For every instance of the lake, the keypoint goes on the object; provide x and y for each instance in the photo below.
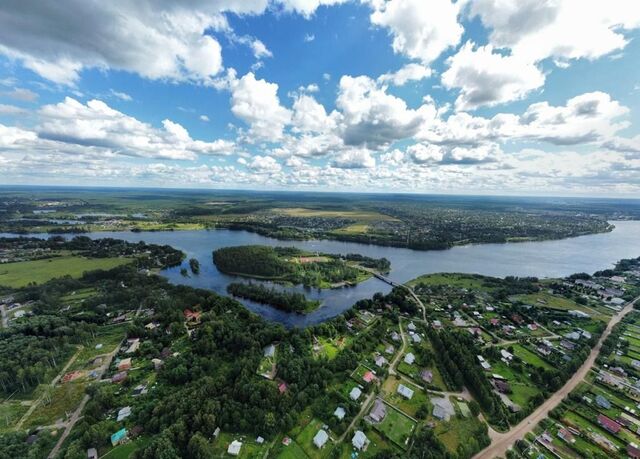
(542, 259)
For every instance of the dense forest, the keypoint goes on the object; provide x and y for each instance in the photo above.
(286, 301)
(147, 255)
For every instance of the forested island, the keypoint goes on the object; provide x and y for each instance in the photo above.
(295, 266)
(285, 301)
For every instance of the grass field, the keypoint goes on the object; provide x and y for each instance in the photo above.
(126, 451)
(376, 445)
(397, 427)
(408, 406)
(468, 281)
(10, 413)
(293, 451)
(456, 431)
(305, 440)
(356, 228)
(360, 215)
(545, 299)
(109, 336)
(22, 273)
(529, 357)
(64, 399)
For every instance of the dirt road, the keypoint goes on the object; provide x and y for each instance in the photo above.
(501, 442)
(76, 414)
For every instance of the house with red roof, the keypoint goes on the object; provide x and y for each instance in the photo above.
(368, 377)
(192, 316)
(609, 424)
(633, 451)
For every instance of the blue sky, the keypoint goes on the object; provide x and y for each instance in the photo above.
(473, 96)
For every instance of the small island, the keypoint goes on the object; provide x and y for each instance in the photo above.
(285, 301)
(294, 266)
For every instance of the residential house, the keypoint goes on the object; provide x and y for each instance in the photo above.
(355, 393)
(124, 364)
(603, 402)
(270, 350)
(119, 377)
(340, 413)
(134, 344)
(411, 326)
(567, 436)
(502, 386)
(609, 424)
(234, 448)
(380, 361)
(427, 376)
(124, 413)
(119, 437)
(379, 411)
(506, 355)
(192, 317)
(92, 453)
(140, 389)
(368, 377)
(578, 314)
(459, 322)
(405, 391)
(409, 358)
(321, 438)
(633, 451)
(442, 409)
(360, 440)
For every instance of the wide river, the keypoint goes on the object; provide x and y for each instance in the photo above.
(541, 259)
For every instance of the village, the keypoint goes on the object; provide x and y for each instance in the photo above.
(402, 387)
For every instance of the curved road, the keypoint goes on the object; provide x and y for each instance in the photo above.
(501, 442)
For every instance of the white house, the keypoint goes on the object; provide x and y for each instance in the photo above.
(360, 440)
(409, 358)
(321, 438)
(405, 391)
(124, 413)
(339, 413)
(355, 393)
(234, 448)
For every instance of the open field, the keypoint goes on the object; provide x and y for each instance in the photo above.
(11, 412)
(64, 399)
(38, 271)
(352, 214)
(126, 451)
(468, 281)
(530, 357)
(456, 431)
(109, 336)
(397, 427)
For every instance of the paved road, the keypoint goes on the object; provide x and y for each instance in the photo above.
(501, 442)
(76, 414)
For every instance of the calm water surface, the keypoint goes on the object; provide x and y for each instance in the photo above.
(542, 259)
